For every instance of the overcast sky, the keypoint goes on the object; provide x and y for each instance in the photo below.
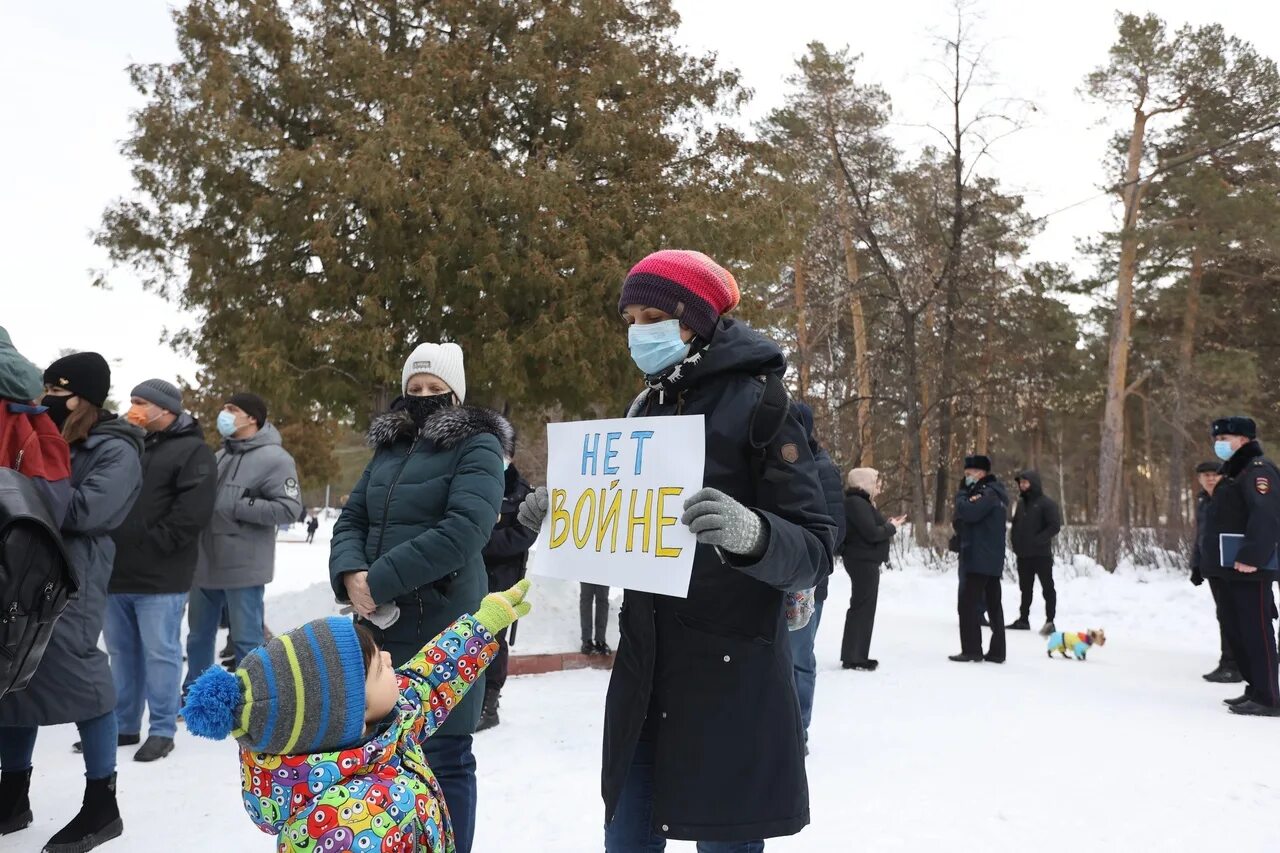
(65, 102)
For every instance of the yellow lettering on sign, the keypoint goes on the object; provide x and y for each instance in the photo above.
(665, 521)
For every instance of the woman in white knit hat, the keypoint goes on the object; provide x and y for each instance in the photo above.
(406, 552)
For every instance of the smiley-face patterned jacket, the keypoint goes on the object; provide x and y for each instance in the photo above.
(381, 796)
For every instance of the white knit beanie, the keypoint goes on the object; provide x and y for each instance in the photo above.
(443, 360)
(867, 479)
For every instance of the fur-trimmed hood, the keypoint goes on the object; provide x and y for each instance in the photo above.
(448, 428)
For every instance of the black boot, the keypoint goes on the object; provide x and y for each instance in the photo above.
(97, 823)
(965, 658)
(1224, 675)
(1022, 624)
(15, 805)
(602, 648)
(589, 648)
(489, 716)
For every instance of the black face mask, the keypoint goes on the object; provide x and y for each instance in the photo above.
(58, 411)
(422, 408)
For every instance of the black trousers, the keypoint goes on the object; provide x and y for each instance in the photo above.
(1229, 656)
(860, 620)
(1030, 568)
(500, 578)
(594, 596)
(1250, 611)
(977, 592)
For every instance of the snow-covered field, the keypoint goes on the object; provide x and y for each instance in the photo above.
(1130, 751)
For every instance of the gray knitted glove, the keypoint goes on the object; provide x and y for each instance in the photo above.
(717, 519)
(534, 509)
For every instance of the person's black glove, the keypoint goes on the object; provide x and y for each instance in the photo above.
(1196, 577)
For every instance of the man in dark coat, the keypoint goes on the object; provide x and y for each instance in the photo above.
(157, 548)
(1227, 671)
(703, 739)
(1036, 521)
(803, 659)
(505, 558)
(1244, 515)
(981, 507)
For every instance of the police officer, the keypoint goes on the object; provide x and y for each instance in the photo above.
(1228, 671)
(1247, 503)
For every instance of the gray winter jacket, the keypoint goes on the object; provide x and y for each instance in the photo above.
(257, 490)
(73, 682)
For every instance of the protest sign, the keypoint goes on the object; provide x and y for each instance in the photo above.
(617, 490)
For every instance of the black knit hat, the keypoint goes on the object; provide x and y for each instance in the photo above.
(982, 463)
(1235, 425)
(252, 405)
(85, 374)
(1208, 467)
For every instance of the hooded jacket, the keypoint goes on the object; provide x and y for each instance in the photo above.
(507, 551)
(707, 674)
(418, 520)
(74, 681)
(1036, 520)
(158, 545)
(257, 491)
(20, 380)
(980, 512)
(380, 795)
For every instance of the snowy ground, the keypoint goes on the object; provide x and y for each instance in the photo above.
(1129, 751)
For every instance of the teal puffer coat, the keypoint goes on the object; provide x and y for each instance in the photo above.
(418, 520)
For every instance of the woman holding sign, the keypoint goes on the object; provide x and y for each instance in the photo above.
(703, 738)
(407, 552)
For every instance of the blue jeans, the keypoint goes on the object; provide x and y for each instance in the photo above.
(18, 744)
(632, 827)
(805, 664)
(144, 639)
(245, 608)
(451, 759)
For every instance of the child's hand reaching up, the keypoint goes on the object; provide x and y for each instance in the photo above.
(500, 609)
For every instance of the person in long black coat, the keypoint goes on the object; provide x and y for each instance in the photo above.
(980, 510)
(1228, 669)
(1246, 504)
(866, 549)
(703, 738)
(504, 561)
(1036, 521)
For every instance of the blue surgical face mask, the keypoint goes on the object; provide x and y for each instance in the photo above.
(969, 479)
(506, 464)
(657, 346)
(226, 424)
(1222, 449)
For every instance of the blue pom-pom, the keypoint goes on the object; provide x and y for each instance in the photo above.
(211, 705)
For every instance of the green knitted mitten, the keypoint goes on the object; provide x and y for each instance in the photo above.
(500, 609)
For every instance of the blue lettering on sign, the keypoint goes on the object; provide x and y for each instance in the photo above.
(590, 450)
(640, 435)
(610, 453)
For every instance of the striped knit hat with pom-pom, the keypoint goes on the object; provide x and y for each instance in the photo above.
(302, 692)
(687, 285)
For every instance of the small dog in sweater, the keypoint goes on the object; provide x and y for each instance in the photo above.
(1077, 643)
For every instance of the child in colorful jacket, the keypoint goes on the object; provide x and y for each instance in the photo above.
(331, 736)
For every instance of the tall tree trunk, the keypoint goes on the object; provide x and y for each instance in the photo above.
(1178, 443)
(802, 329)
(988, 357)
(1111, 445)
(915, 428)
(865, 450)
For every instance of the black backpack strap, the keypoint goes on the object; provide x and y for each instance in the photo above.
(770, 412)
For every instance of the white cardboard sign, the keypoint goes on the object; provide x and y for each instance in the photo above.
(617, 490)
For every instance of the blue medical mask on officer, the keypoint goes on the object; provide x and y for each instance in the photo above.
(656, 346)
(227, 424)
(969, 479)
(1222, 449)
